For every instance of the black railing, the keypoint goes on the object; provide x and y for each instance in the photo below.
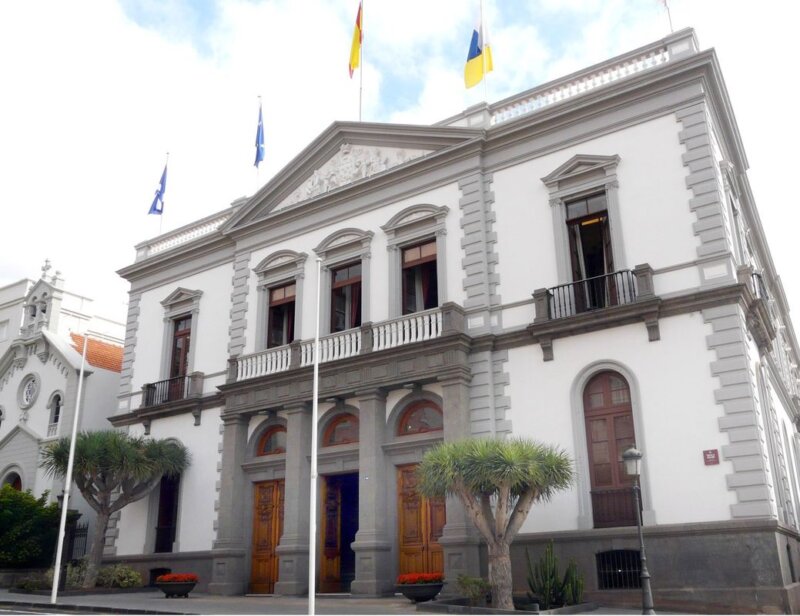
(168, 390)
(78, 536)
(574, 298)
(613, 508)
(619, 569)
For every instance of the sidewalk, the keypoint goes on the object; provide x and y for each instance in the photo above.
(146, 602)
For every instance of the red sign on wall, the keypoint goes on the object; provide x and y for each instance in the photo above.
(711, 456)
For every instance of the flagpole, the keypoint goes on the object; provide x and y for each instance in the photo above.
(669, 16)
(62, 527)
(312, 517)
(361, 60)
(161, 218)
(258, 169)
(483, 58)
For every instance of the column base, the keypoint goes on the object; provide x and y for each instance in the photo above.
(228, 573)
(373, 570)
(461, 557)
(292, 570)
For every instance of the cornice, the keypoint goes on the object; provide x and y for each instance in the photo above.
(168, 409)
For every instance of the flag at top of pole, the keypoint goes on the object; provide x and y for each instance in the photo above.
(355, 48)
(158, 201)
(259, 138)
(479, 57)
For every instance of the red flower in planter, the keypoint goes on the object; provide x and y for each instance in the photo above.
(420, 578)
(177, 577)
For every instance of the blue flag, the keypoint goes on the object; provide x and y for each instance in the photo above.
(259, 138)
(158, 200)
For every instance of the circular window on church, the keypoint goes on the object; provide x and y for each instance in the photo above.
(28, 391)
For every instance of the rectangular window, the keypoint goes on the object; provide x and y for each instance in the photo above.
(420, 285)
(591, 255)
(280, 325)
(346, 297)
(181, 338)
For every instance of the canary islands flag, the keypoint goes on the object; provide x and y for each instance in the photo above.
(479, 57)
(355, 47)
(259, 138)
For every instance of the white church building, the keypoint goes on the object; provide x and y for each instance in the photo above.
(42, 331)
(582, 264)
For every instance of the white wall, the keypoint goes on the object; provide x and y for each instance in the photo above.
(209, 332)
(196, 512)
(656, 221)
(674, 412)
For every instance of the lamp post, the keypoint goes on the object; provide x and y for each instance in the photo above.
(633, 459)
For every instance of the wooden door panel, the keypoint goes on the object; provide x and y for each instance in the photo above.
(330, 567)
(420, 524)
(267, 530)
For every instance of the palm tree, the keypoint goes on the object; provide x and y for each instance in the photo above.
(112, 469)
(498, 481)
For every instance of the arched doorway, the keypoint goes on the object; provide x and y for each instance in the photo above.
(609, 432)
(420, 521)
(13, 480)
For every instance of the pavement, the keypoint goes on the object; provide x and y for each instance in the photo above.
(147, 602)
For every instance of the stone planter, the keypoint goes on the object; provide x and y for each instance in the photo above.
(176, 589)
(420, 592)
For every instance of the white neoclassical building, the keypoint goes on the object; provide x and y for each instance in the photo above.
(582, 263)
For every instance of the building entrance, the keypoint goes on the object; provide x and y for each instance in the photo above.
(420, 522)
(339, 526)
(267, 531)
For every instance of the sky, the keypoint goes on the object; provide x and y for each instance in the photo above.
(95, 93)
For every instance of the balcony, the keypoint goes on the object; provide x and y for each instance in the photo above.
(52, 429)
(368, 338)
(172, 390)
(618, 298)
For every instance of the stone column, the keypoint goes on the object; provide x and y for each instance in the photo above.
(229, 573)
(372, 545)
(293, 548)
(459, 539)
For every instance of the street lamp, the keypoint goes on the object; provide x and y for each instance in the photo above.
(633, 460)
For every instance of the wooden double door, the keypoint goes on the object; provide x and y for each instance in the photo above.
(267, 531)
(420, 522)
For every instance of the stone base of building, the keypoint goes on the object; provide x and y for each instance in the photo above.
(732, 567)
(151, 565)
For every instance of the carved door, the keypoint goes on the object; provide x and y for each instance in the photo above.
(330, 565)
(420, 522)
(267, 531)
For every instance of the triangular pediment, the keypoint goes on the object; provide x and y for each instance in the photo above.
(40, 289)
(20, 433)
(344, 156)
(581, 165)
(181, 295)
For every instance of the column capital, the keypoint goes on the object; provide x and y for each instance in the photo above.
(300, 407)
(233, 420)
(373, 393)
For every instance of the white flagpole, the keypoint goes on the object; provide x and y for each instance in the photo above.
(68, 478)
(312, 517)
(361, 59)
(483, 57)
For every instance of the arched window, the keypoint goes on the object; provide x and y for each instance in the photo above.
(342, 429)
(609, 432)
(420, 417)
(13, 480)
(272, 441)
(55, 409)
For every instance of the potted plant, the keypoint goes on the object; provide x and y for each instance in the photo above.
(420, 587)
(176, 584)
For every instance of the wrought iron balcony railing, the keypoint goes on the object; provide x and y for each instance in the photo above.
(168, 390)
(567, 300)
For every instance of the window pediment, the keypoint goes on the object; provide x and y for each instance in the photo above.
(580, 169)
(181, 295)
(344, 240)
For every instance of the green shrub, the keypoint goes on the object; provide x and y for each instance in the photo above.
(28, 529)
(547, 587)
(119, 576)
(473, 588)
(33, 582)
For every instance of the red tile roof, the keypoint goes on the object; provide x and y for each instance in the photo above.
(99, 354)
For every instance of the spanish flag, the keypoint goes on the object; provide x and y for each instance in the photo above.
(479, 57)
(355, 49)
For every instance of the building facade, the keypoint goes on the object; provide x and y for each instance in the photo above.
(42, 332)
(582, 264)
